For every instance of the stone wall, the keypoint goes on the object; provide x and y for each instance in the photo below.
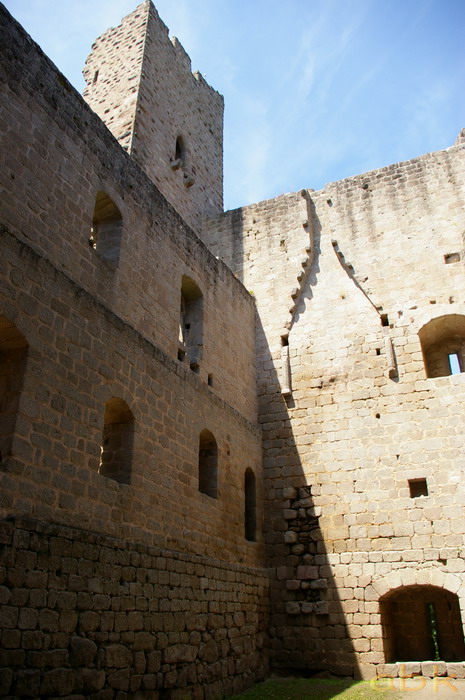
(83, 615)
(80, 355)
(356, 287)
(51, 179)
(342, 297)
(162, 587)
(139, 81)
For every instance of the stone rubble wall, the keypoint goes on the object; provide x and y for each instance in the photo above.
(80, 355)
(87, 616)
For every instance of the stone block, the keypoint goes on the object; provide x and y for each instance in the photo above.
(320, 583)
(209, 652)
(307, 572)
(119, 679)
(456, 670)
(6, 678)
(430, 669)
(290, 537)
(82, 651)
(117, 656)
(292, 608)
(293, 584)
(180, 653)
(321, 607)
(27, 683)
(60, 681)
(307, 608)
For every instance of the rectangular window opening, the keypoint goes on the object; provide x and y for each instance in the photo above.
(452, 258)
(454, 363)
(384, 320)
(418, 487)
(378, 351)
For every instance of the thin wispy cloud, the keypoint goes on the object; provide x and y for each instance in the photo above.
(313, 91)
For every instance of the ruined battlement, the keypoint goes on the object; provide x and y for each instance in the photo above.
(139, 81)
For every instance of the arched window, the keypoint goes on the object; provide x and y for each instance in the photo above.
(421, 623)
(208, 464)
(191, 322)
(180, 151)
(180, 161)
(107, 226)
(117, 441)
(250, 504)
(443, 344)
(13, 355)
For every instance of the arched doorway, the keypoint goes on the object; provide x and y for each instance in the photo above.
(421, 623)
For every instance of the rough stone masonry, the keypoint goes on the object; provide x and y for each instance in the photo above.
(229, 442)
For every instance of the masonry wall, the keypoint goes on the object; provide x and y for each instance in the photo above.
(89, 330)
(361, 419)
(139, 81)
(59, 153)
(80, 355)
(89, 616)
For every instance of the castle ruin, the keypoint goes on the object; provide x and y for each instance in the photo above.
(231, 442)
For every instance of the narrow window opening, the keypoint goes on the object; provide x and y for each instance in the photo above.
(181, 355)
(250, 515)
(179, 151)
(13, 357)
(384, 320)
(210, 380)
(95, 77)
(284, 340)
(378, 351)
(179, 160)
(418, 487)
(117, 441)
(433, 629)
(452, 258)
(454, 363)
(191, 322)
(107, 226)
(208, 464)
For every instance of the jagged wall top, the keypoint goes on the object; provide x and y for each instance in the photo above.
(139, 81)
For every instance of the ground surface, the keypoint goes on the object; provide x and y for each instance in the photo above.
(387, 689)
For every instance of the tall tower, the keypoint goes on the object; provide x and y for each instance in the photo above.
(139, 81)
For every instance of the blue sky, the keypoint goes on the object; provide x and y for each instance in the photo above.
(315, 90)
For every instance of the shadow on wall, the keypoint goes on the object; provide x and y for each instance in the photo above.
(308, 626)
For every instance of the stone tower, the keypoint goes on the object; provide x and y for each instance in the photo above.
(139, 81)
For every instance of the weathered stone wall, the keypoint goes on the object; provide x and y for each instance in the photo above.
(81, 613)
(57, 156)
(380, 257)
(139, 81)
(87, 616)
(80, 355)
